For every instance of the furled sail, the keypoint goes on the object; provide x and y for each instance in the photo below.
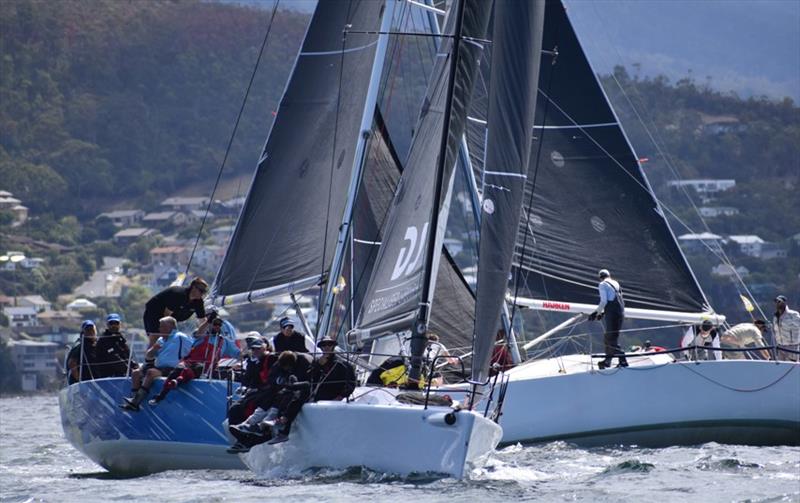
(587, 203)
(394, 293)
(287, 230)
(516, 51)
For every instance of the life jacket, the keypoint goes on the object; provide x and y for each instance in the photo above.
(203, 352)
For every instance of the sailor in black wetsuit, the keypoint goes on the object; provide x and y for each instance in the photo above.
(180, 302)
(288, 339)
(612, 310)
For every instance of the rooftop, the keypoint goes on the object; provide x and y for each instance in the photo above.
(702, 236)
(184, 201)
(120, 213)
(744, 239)
(133, 232)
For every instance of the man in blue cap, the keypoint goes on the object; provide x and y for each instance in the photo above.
(288, 339)
(82, 357)
(113, 353)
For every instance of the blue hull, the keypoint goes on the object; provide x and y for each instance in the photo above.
(185, 431)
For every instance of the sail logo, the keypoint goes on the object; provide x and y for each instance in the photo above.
(409, 257)
(556, 306)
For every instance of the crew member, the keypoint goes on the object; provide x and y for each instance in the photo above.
(612, 309)
(179, 302)
(786, 327)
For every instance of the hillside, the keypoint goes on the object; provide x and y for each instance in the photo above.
(105, 100)
(111, 104)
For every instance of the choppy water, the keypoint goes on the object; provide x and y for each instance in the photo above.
(37, 464)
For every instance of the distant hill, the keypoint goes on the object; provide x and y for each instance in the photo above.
(107, 100)
(751, 47)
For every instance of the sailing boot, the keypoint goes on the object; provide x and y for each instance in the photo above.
(132, 404)
(604, 364)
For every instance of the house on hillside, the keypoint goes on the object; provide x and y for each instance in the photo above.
(208, 257)
(727, 271)
(13, 205)
(700, 242)
(133, 234)
(123, 218)
(748, 244)
(24, 316)
(718, 211)
(175, 256)
(164, 218)
(222, 234)
(81, 305)
(771, 251)
(36, 363)
(185, 204)
(198, 215)
(704, 186)
(35, 301)
(720, 124)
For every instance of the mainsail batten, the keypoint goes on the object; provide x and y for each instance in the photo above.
(280, 238)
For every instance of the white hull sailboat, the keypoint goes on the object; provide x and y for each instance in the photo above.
(395, 438)
(588, 205)
(655, 402)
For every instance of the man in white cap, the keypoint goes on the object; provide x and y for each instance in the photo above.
(612, 310)
(786, 327)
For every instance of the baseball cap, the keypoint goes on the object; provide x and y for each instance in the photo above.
(113, 317)
(86, 324)
(285, 322)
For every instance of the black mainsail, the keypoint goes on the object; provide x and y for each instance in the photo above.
(287, 231)
(516, 52)
(587, 202)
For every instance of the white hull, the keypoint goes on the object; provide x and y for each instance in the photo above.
(655, 402)
(394, 439)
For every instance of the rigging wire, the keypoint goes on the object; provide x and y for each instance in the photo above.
(538, 157)
(233, 135)
(660, 146)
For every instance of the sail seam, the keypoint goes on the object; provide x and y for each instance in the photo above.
(339, 51)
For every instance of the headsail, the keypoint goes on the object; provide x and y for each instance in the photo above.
(516, 52)
(394, 294)
(588, 205)
(287, 230)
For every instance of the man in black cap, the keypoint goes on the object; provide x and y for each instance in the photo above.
(288, 339)
(786, 327)
(332, 377)
(180, 302)
(612, 308)
(113, 353)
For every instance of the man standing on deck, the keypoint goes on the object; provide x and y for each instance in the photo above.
(178, 302)
(786, 327)
(612, 308)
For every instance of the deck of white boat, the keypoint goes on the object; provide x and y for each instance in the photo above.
(573, 364)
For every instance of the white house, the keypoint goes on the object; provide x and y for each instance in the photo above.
(704, 185)
(727, 271)
(749, 244)
(124, 218)
(697, 242)
(716, 211)
(80, 305)
(24, 316)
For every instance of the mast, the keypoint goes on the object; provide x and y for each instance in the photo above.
(420, 326)
(358, 169)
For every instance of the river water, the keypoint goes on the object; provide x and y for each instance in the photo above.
(37, 464)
